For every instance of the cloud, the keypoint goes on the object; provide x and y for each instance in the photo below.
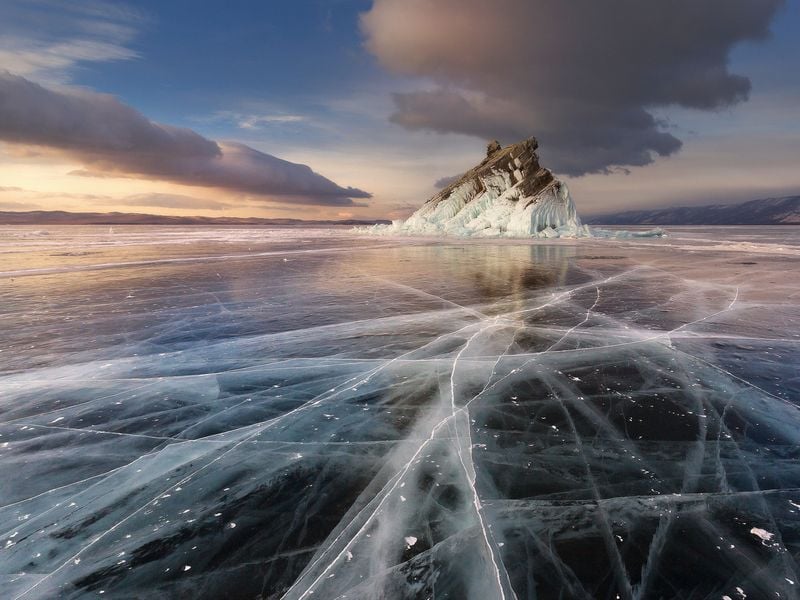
(12, 205)
(46, 40)
(443, 182)
(148, 199)
(109, 137)
(402, 212)
(170, 201)
(18, 191)
(583, 76)
(259, 121)
(94, 174)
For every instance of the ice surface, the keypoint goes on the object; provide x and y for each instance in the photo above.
(243, 413)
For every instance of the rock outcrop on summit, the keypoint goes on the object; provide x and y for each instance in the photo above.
(509, 194)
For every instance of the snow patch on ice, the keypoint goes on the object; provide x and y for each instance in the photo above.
(765, 535)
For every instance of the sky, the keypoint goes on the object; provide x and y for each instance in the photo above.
(332, 109)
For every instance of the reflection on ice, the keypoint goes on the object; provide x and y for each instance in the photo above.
(367, 419)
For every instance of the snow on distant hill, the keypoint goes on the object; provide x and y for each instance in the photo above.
(767, 211)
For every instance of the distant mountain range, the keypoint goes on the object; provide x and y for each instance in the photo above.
(768, 211)
(60, 217)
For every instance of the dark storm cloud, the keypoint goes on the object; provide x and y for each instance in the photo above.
(580, 75)
(110, 137)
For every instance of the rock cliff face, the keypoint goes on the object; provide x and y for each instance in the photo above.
(508, 194)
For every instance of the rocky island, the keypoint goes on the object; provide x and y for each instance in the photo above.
(509, 194)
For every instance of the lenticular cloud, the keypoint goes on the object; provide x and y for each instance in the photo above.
(110, 137)
(581, 75)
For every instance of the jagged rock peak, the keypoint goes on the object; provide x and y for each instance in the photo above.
(519, 162)
(492, 147)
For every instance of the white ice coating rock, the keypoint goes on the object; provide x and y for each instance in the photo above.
(499, 211)
(508, 195)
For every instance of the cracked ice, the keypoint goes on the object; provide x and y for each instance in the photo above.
(300, 414)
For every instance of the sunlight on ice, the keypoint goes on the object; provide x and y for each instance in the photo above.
(384, 417)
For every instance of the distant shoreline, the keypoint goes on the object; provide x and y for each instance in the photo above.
(59, 217)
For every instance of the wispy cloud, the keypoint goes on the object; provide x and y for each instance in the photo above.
(26, 199)
(18, 206)
(252, 121)
(53, 61)
(157, 200)
(45, 40)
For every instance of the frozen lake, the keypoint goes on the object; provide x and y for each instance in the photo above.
(300, 413)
